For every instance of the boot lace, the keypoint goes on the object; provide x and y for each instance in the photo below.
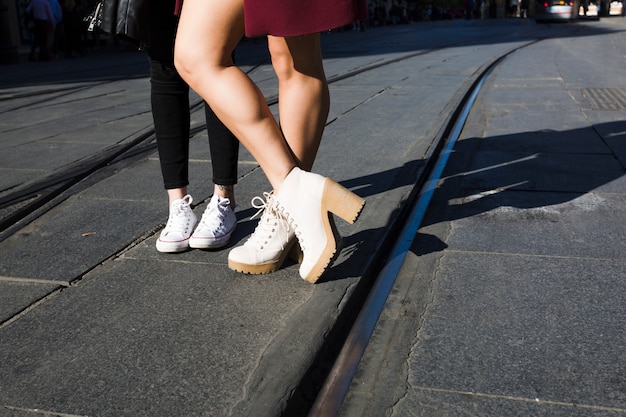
(268, 223)
(284, 214)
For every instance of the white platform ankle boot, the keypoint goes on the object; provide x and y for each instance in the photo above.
(272, 241)
(306, 200)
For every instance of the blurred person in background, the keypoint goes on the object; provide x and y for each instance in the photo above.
(44, 24)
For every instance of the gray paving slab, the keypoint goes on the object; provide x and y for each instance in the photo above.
(65, 244)
(585, 140)
(582, 226)
(513, 338)
(52, 152)
(18, 295)
(576, 172)
(614, 135)
(165, 325)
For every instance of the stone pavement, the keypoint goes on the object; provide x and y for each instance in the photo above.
(95, 322)
(511, 301)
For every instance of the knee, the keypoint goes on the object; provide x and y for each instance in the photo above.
(181, 63)
(296, 57)
(282, 62)
(185, 62)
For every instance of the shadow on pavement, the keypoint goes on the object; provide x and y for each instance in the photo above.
(529, 170)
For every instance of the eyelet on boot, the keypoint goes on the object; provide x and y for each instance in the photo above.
(272, 240)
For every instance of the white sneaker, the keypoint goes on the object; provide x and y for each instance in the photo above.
(217, 224)
(180, 224)
(266, 249)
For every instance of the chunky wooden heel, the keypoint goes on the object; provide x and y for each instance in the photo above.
(340, 201)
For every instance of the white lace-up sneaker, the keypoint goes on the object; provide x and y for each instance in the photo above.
(266, 249)
(180, 225)
(217, 224)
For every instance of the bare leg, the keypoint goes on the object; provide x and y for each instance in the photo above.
(208, 32)
(303, 97)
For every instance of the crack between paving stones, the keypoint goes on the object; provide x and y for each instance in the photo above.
(538, 401)
(45, 413)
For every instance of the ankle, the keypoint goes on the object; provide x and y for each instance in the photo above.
(226, 191)
(174, 194)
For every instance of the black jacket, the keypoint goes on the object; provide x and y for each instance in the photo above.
(127, 19)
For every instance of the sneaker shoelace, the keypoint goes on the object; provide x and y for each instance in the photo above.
(179, 215)
(268, 223)
(213, 218)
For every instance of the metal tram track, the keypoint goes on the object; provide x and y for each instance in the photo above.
(387, 262)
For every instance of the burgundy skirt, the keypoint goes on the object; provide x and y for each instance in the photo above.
(300, 17)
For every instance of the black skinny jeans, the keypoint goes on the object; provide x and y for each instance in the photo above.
(170, 111)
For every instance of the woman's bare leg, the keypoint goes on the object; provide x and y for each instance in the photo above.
(303, 97)
(208, 32)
